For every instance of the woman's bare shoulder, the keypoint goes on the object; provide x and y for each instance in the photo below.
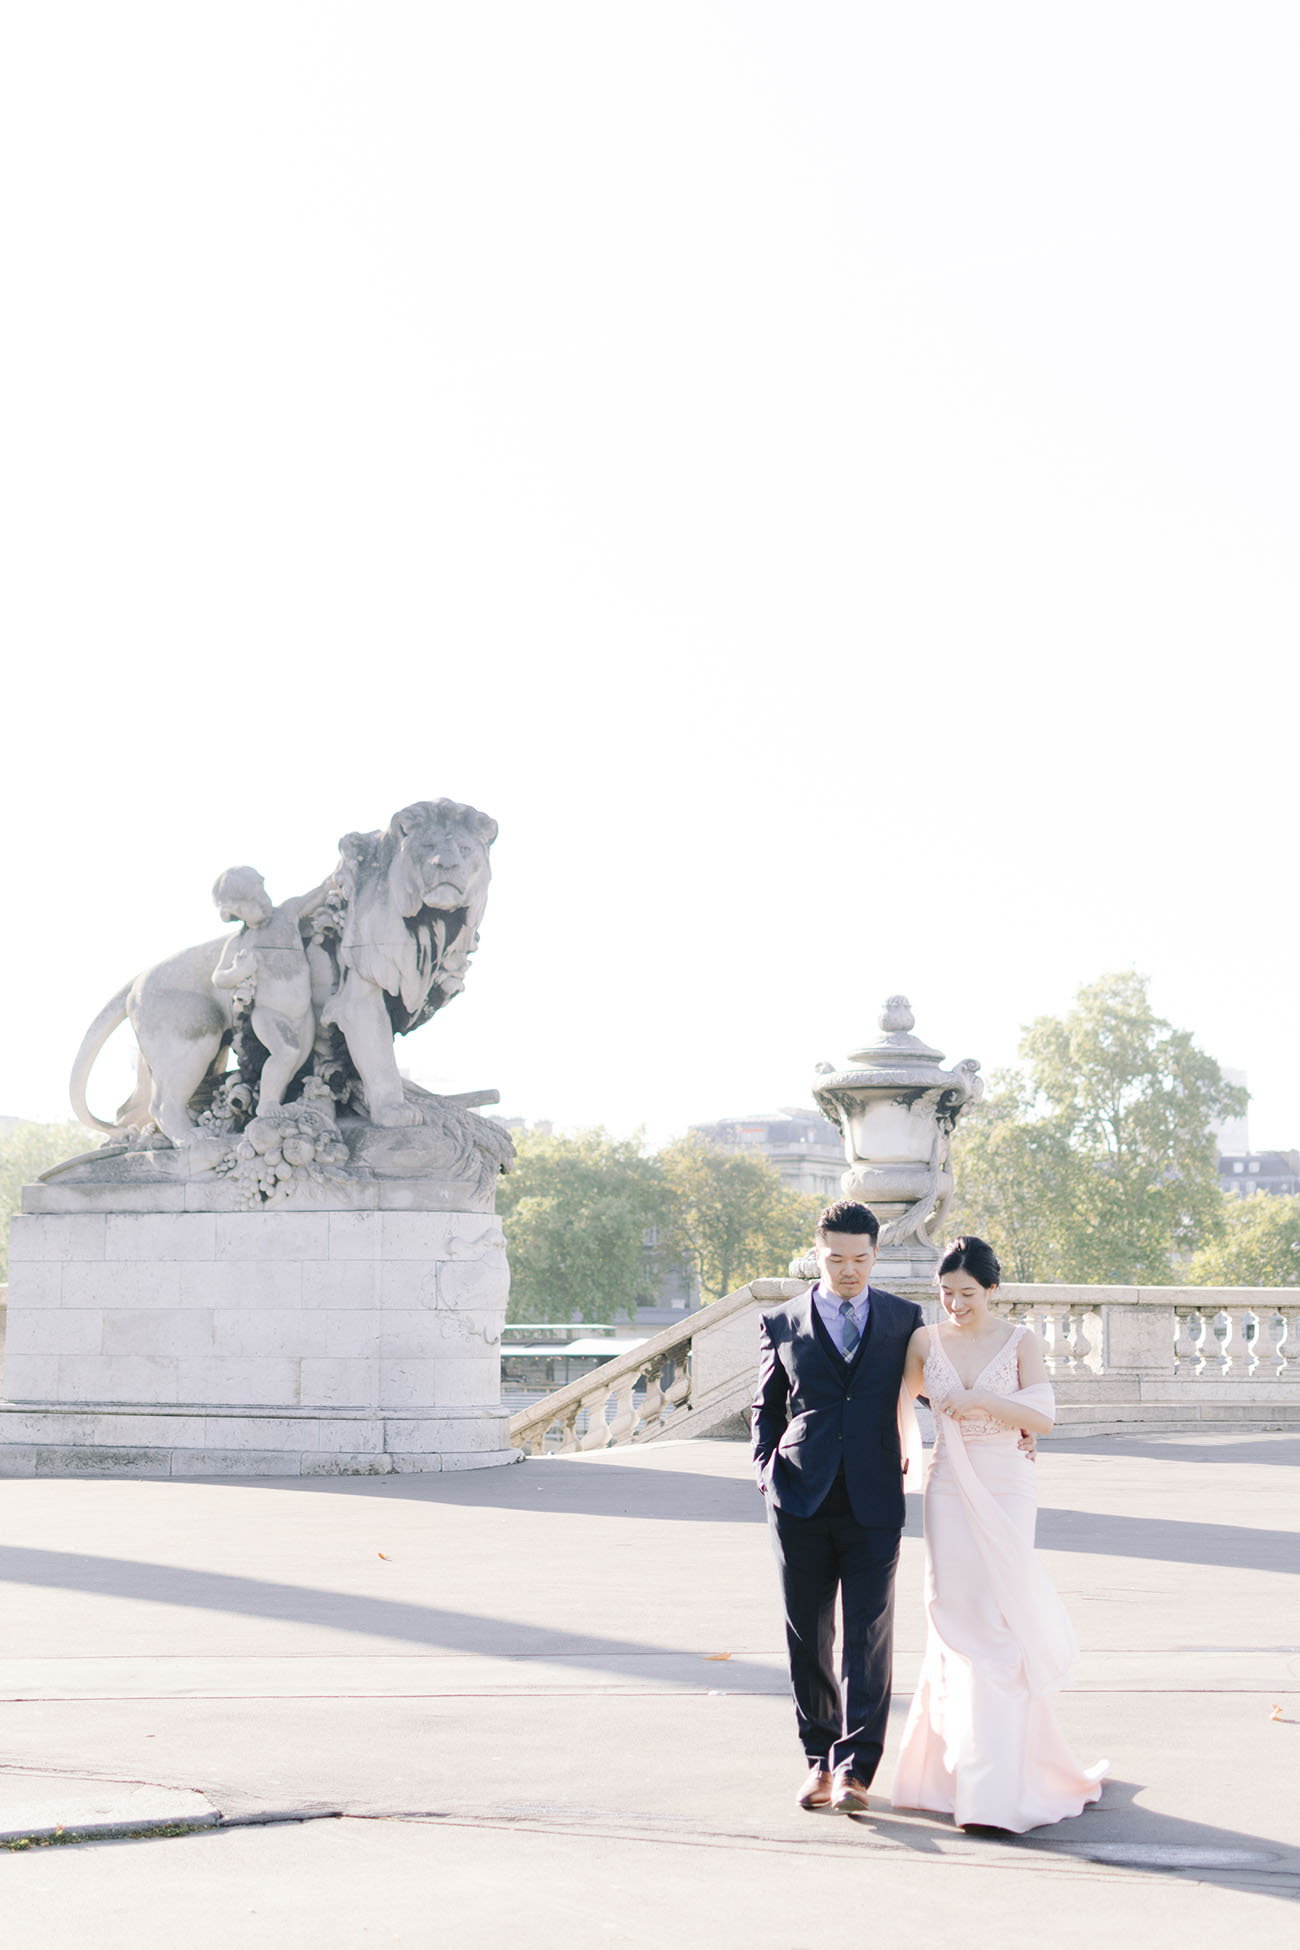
(1032, 1352)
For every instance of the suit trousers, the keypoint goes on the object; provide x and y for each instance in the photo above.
(817, 1557)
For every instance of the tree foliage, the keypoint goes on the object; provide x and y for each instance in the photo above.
(1017, 1175)
(1096, 1162)
(1258, 1246)
(25, 1152)
(591, 1221)
(730, 1215)
(577, 1211)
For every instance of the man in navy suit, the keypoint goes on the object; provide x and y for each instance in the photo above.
(828, 1460)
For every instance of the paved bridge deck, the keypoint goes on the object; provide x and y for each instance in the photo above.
(547, 1705)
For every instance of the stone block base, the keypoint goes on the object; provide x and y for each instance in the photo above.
(139, 1439)
(329, 1341)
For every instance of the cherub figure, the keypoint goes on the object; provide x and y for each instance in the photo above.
(265, 965)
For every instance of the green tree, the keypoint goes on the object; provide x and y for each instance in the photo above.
(25, 1152)
(731, 1216)
(1017, 1181)
(1116, 1110)
(1259, 1244)
(577, 1212)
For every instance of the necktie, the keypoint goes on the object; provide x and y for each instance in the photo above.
(850, 1327)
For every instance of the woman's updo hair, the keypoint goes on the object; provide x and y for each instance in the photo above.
(973, 1256)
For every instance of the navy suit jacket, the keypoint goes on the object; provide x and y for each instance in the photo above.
(814, 1412)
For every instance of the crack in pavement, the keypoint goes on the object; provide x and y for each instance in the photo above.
(859, 1834)
(1266, 1871)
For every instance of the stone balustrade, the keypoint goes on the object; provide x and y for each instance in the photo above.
(1120, 1358)
(683, 1381)
(1166, 1356)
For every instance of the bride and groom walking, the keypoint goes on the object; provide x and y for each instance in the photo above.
(834, 1433)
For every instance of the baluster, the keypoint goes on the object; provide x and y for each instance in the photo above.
(1288, 1344)
(1059, 1320)
(1217, 1344)
(677, 1393)
(652, 1402)
(1246, 1347)
(1270, 1345)
(1234, 1349)
(597, 1436)
(1051, 1330)
(623, 1419)
(569, 1430)
(1193, 1332)
(1080, 1345)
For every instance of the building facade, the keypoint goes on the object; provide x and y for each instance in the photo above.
(802, 1145)
(1247, 1172)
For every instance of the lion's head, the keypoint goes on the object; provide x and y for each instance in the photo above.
(440, 856)
(415, 895)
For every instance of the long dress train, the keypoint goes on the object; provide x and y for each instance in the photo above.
(982, 1741)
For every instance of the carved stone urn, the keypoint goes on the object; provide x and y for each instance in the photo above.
(896, 1106)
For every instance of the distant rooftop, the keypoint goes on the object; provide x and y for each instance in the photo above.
(1277, 1172)
(788, 1125)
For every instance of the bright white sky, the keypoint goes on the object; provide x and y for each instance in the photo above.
(823, 475)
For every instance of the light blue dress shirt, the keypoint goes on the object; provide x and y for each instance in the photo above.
(828, 1305)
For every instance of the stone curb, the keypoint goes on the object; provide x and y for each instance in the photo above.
(16, 1839)
(104, 1831)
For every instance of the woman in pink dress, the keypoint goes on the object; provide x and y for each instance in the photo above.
(982, 1742)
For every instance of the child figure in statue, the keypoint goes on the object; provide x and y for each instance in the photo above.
(266, 964)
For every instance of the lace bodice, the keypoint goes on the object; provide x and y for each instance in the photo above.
(1000, 1376)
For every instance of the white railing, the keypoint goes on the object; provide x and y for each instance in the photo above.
(1118, 1356)
(1162, 1334)
(686, 1374)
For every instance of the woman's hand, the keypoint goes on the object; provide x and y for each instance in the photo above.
(963, 1402)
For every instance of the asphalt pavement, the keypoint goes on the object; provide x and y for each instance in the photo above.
(548, 1703)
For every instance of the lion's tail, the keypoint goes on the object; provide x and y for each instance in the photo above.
(92, 1043)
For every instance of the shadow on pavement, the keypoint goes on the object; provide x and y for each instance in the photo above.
(584, 1489)
(590, 1489)
(1223, 1545)
(1154, 1843)
(342, 1611)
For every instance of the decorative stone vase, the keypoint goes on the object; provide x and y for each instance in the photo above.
(895, 1106)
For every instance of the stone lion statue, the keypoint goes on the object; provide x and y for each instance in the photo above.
(371, 953)
(414, 896)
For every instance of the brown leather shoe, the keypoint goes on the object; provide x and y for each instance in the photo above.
(816, 1790)
(848, 1793)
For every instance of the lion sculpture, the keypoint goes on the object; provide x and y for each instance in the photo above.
(386, 942)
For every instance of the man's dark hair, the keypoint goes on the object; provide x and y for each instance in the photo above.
(848, 1215)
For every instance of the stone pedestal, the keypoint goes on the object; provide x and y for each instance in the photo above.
(291, 1342)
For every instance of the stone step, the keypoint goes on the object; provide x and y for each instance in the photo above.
(1178, 1417)
(1193, 1414)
